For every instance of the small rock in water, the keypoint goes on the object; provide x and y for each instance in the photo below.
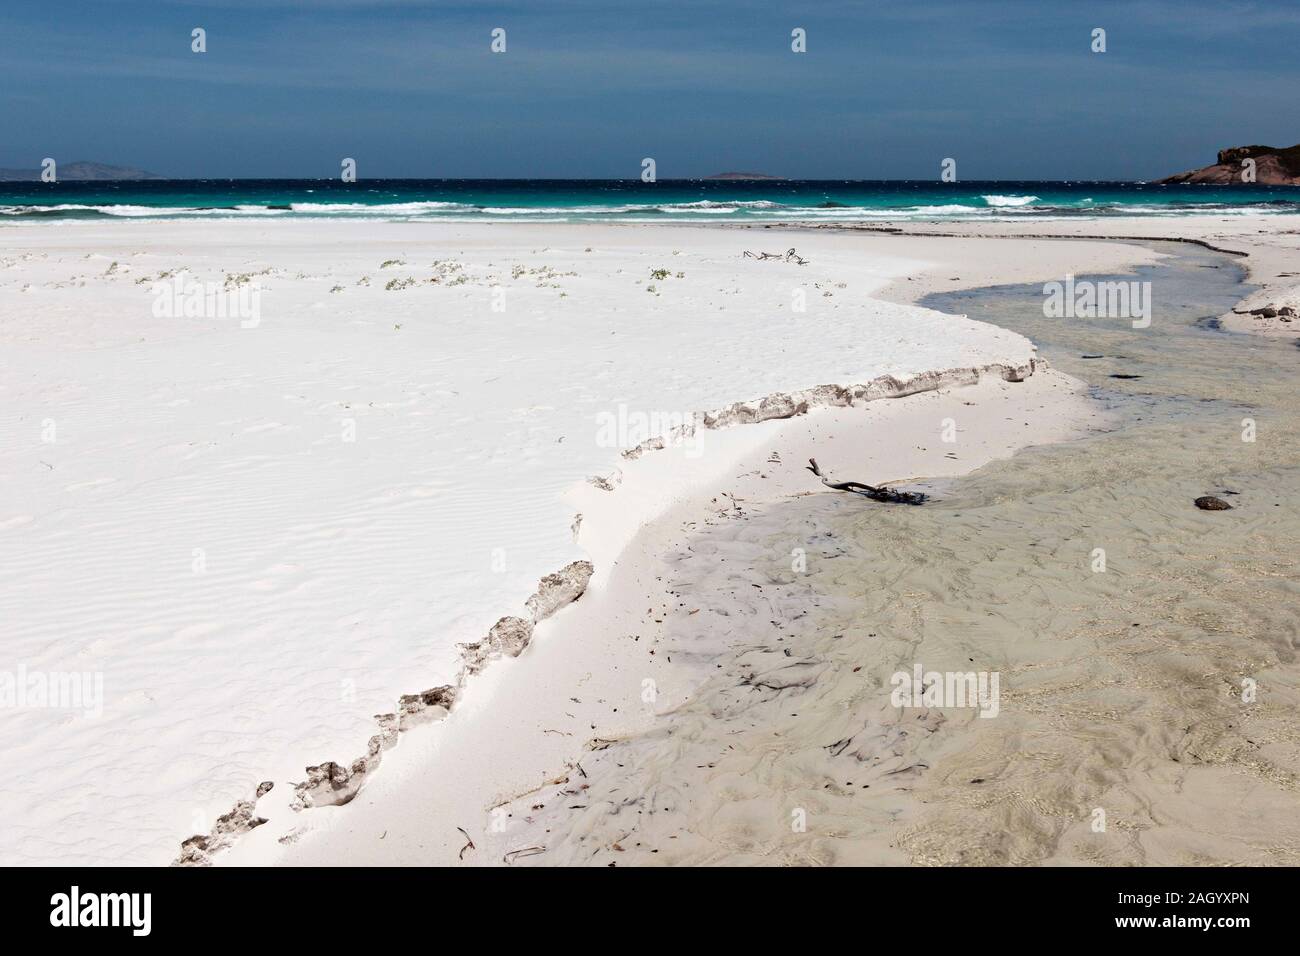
(1211, 503)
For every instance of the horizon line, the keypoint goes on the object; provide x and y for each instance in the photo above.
(587, 179)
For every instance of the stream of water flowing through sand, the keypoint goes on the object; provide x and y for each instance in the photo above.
(1148, 710)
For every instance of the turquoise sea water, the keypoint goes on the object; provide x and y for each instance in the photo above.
(628, 200)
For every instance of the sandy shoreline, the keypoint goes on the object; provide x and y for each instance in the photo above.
(1128, 736)
(522, 814)
(606, 669)
(1269, 248)
(586, 674)
(387, 810)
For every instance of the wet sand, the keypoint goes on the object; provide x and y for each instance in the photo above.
(1122, 737)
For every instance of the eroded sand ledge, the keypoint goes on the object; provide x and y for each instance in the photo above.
(587, 669)
(334, 784)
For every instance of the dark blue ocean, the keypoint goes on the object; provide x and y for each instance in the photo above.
(465, 200)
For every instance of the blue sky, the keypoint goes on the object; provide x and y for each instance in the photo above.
(586, 89)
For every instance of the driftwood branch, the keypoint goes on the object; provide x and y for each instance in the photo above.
(869, 491)
(789, 256)
(469, 843)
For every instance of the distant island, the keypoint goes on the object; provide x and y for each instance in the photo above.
(1273, 167)
(79, 171)
(743, 176)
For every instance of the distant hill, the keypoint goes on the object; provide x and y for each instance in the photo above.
(80, 171)
(1273, 167)
(743, 176)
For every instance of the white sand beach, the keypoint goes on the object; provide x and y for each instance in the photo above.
(262, 533)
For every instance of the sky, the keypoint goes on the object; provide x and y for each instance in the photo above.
(588, 88)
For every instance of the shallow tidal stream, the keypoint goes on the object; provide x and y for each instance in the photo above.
(1148, 707)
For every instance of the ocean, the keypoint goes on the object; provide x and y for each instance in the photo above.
(679, 201)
